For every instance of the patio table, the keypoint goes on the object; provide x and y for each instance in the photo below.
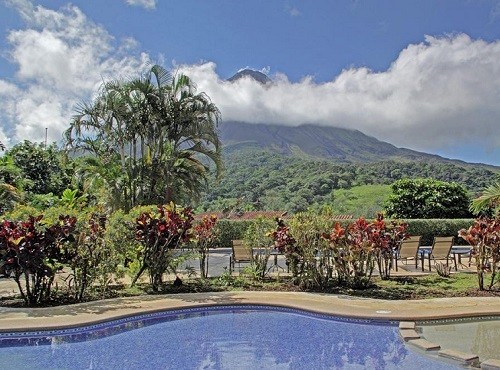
(275, 267)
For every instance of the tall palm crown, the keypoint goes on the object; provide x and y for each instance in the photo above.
(161, 132)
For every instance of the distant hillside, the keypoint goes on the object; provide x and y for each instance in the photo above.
(272, 167)
(331, 143)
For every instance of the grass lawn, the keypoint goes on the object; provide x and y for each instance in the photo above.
(363, 200)
(408, 287)
(400, 287)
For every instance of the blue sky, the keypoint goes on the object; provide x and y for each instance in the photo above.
(419, 74)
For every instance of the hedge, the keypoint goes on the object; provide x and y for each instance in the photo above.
(428, 228)
(228, 230)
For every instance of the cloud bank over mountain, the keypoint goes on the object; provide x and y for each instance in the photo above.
(438, 94)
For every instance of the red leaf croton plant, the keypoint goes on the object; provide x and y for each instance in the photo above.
(160, 233)
(484, 237)
(355, 249)
(362, 244)
(204, 237)
(32, 253)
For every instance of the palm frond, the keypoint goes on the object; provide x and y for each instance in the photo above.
(489, 199)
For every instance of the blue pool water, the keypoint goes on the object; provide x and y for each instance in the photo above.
(233, 337)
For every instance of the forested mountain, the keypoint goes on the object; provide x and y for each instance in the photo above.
(333, 143)
(271, 167)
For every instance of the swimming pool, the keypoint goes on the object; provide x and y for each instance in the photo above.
(220, 337)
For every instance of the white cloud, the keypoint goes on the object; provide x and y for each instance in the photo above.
(148, 4)
(437, 94)
(62, 57)
(495, 11)
(292, 11)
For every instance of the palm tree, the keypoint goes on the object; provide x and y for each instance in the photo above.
(490, 199)
(160, 131)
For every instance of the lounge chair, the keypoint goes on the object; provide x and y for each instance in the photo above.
(240, 254)
(441, 250)
(408, 250)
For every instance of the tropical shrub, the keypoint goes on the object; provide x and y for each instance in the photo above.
(484, 237)
(204, 238)
(357, 248)
(92, 259)
(228, 230)
(32, 254)
(45, 169)
(257, 237)
(315, 268)
(120, 234)
(315, 249)
(427, 198)
(286, 244)
(160, 233)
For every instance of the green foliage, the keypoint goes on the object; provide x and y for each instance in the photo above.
(44, 169)
(10, 173)
(226, 279)
(9, 197)
(257, 237)
(361, 201)
(70, 199)
(312, 252)
(256, 179)
(204, 234)
(92, 259)
(228, 230)
(43, 201)
(428, 198)
(429, 228)
(11, 184)
(120, 235)
(488, 202)
(20, 212)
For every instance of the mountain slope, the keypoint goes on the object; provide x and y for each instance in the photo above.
(332, 143)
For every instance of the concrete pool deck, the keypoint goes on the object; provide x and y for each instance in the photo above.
(25, 319)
